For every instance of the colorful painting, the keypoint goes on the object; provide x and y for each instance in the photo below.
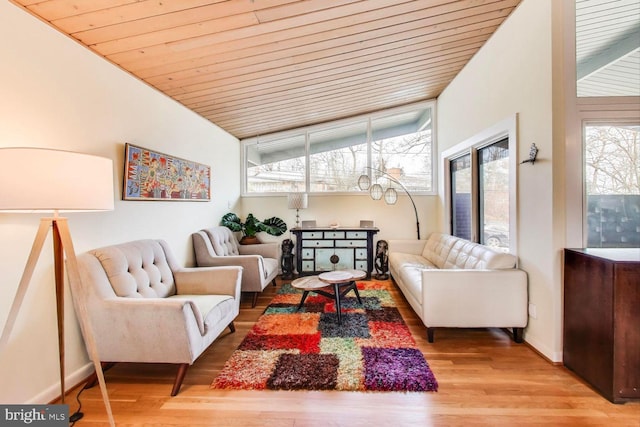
(149, 175)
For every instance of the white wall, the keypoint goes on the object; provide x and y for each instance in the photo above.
(55, 93)
(512, 74)
(394, 221)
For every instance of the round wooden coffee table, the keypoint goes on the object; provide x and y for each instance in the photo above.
(342, 282)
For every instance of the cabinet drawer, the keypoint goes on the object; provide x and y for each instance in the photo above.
(307, 253)
(312, 234)
(361, 254)
(356, 234)
(307, 266)
(334, 234)
(317, 243)
(351, 243)
(361, 265)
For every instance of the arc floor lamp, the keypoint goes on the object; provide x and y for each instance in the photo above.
(36, 180)
(390, 195)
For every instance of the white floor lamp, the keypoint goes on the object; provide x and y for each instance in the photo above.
(42, 180)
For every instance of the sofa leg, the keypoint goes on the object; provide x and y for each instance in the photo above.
(430, 332)
(93, 378)
(517, 335)
(273, 282)
(255, 299)
(232, 327)
(182, 371)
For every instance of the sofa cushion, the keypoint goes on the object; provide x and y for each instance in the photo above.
(449, 252)
(222, 241)
(437, 248)
(212, 308)
(469, 255)
(271, 265)
(399, 260)
(137, 269)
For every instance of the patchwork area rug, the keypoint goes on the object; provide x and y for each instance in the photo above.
(308, 350)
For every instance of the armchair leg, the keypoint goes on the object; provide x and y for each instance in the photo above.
(93, 378)
(517, 335)
(273, 282)
(182, 371)
(255, 299)
(232, 327)
(430, 333)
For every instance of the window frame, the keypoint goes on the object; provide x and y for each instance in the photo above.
(506, 128)
(307, 130)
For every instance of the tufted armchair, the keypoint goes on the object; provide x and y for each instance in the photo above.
(143, 307)
(218, 246)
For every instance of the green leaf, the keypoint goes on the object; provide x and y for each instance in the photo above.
(232, 222)
(274, 226)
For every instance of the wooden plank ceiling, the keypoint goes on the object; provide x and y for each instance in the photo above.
(258, 66)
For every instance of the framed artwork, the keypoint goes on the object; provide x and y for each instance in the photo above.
(149, 175)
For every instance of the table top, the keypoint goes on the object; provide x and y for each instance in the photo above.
(340, 276)
(309, 282)
(327, 278)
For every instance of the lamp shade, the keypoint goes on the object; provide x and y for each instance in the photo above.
(390, 196)
(297, 200)
(376, 191)
(38, 179)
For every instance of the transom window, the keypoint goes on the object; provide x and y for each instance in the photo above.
(329, 158)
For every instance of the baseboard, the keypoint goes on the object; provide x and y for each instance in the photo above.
(52, 393)
(552, 357)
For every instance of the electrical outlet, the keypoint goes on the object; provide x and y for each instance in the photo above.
(532, 311)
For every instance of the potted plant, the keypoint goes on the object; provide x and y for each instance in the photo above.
(252, 225)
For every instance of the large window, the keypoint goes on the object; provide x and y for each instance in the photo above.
(329, 158)
(612, 185)
(480, 187)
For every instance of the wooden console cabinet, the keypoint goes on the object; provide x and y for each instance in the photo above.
(315, 246)
(602, 319)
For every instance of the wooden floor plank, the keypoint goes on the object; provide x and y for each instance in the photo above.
(484, 379)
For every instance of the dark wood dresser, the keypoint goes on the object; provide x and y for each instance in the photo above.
(602, 319)
(315, 246)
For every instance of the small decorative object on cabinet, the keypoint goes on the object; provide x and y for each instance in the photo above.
(601, 319)
(315, 248)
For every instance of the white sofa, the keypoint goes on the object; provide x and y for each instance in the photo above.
(451, 282)
(144, 307)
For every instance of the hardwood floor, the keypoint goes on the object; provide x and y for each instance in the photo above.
(484, 379)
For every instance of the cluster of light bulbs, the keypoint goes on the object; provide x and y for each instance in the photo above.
(376, 191)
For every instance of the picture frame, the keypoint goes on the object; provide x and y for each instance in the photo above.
(152, 175)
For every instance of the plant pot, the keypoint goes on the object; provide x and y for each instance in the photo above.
(249, 240)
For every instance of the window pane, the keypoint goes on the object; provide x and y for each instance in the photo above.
(276, 166)
(607, 48)
(402, 147)
(461, 196)
(612, 180)
(337, 157)
(493, 170)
